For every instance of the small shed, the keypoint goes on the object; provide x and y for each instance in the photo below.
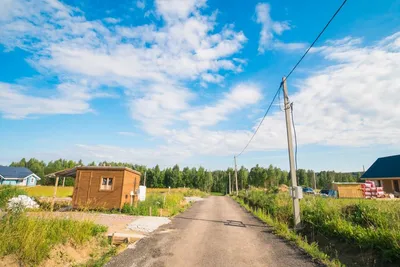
(348, 190)
(105, 187)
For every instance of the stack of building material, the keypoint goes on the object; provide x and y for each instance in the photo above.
(371, 191)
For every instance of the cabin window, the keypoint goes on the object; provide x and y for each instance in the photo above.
(379, 183)
(106, 183)
(31, 180)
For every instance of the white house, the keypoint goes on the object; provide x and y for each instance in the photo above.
(17, 176)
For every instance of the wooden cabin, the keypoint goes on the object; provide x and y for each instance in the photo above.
(105, 187)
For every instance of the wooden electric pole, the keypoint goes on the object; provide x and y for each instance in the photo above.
(315, 182)
(296, 204)
(230, 187)
(144, 180)
(237, 188)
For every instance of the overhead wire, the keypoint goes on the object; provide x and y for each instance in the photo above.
(259, 125)
(287, 76)
(316, 39)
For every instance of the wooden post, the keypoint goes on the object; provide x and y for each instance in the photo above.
(54, 195)
(63, 181)
(150, 210)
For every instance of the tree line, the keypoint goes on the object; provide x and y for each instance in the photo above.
(216, 181)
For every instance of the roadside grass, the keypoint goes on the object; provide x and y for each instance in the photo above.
(48, 191)
(31, 239)
(217, 194)
(366, 224)
(9, 191)
(158, 204)
(161, 203)
(282, 230)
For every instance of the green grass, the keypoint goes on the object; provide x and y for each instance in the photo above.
(31, 239)
(217, 194)
(48, 191)
(281, 229)
(7, 192)
(367, 224)
(162, 202)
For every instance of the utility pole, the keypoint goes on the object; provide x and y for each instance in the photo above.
(144, 181)
(237, 189)
(315, 182)
(296, 204)
(230, 187)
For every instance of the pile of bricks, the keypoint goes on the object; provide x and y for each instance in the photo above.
(371, 191)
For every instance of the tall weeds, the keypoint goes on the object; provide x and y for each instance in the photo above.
(31, 239)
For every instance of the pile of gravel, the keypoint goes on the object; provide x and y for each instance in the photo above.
(148, 224)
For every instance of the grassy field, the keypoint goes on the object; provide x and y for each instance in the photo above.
(31, 240)
(48, 191)
(366, 224)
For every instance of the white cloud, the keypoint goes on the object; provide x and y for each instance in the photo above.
(270, 28)
(15, 103)
(178, 9)
(351, 102)
(187, 48)
(141, 4)
(239, 97)
(112, 20)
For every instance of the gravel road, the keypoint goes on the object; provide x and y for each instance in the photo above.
(213, 232)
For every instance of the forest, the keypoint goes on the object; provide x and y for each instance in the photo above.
(201, 178)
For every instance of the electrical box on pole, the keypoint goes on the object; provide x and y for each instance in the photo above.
(295, 193)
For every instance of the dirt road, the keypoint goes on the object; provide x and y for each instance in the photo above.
(213, 232)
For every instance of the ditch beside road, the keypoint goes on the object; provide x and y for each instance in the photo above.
(213, 232)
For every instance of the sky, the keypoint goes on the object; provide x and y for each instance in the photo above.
(187, 81)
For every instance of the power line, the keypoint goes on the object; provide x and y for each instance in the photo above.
(287, 76)
(259, 125)
(316, 39)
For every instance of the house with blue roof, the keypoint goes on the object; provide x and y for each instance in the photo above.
(385, 172)
(20, 176)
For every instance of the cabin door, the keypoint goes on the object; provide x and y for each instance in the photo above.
(83, 187)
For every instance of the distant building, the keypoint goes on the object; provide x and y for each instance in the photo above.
(386, 173)
(20, 176)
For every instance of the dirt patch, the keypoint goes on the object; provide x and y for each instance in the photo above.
(9, 261)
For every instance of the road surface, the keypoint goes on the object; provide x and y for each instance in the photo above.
(213, 232)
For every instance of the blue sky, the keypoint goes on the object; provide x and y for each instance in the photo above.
(187, 81)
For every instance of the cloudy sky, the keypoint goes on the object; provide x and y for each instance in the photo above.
(187, 81)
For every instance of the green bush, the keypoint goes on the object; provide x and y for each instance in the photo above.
(32, 238)
(7, 192)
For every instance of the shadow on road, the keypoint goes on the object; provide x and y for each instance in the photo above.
(226, 222)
